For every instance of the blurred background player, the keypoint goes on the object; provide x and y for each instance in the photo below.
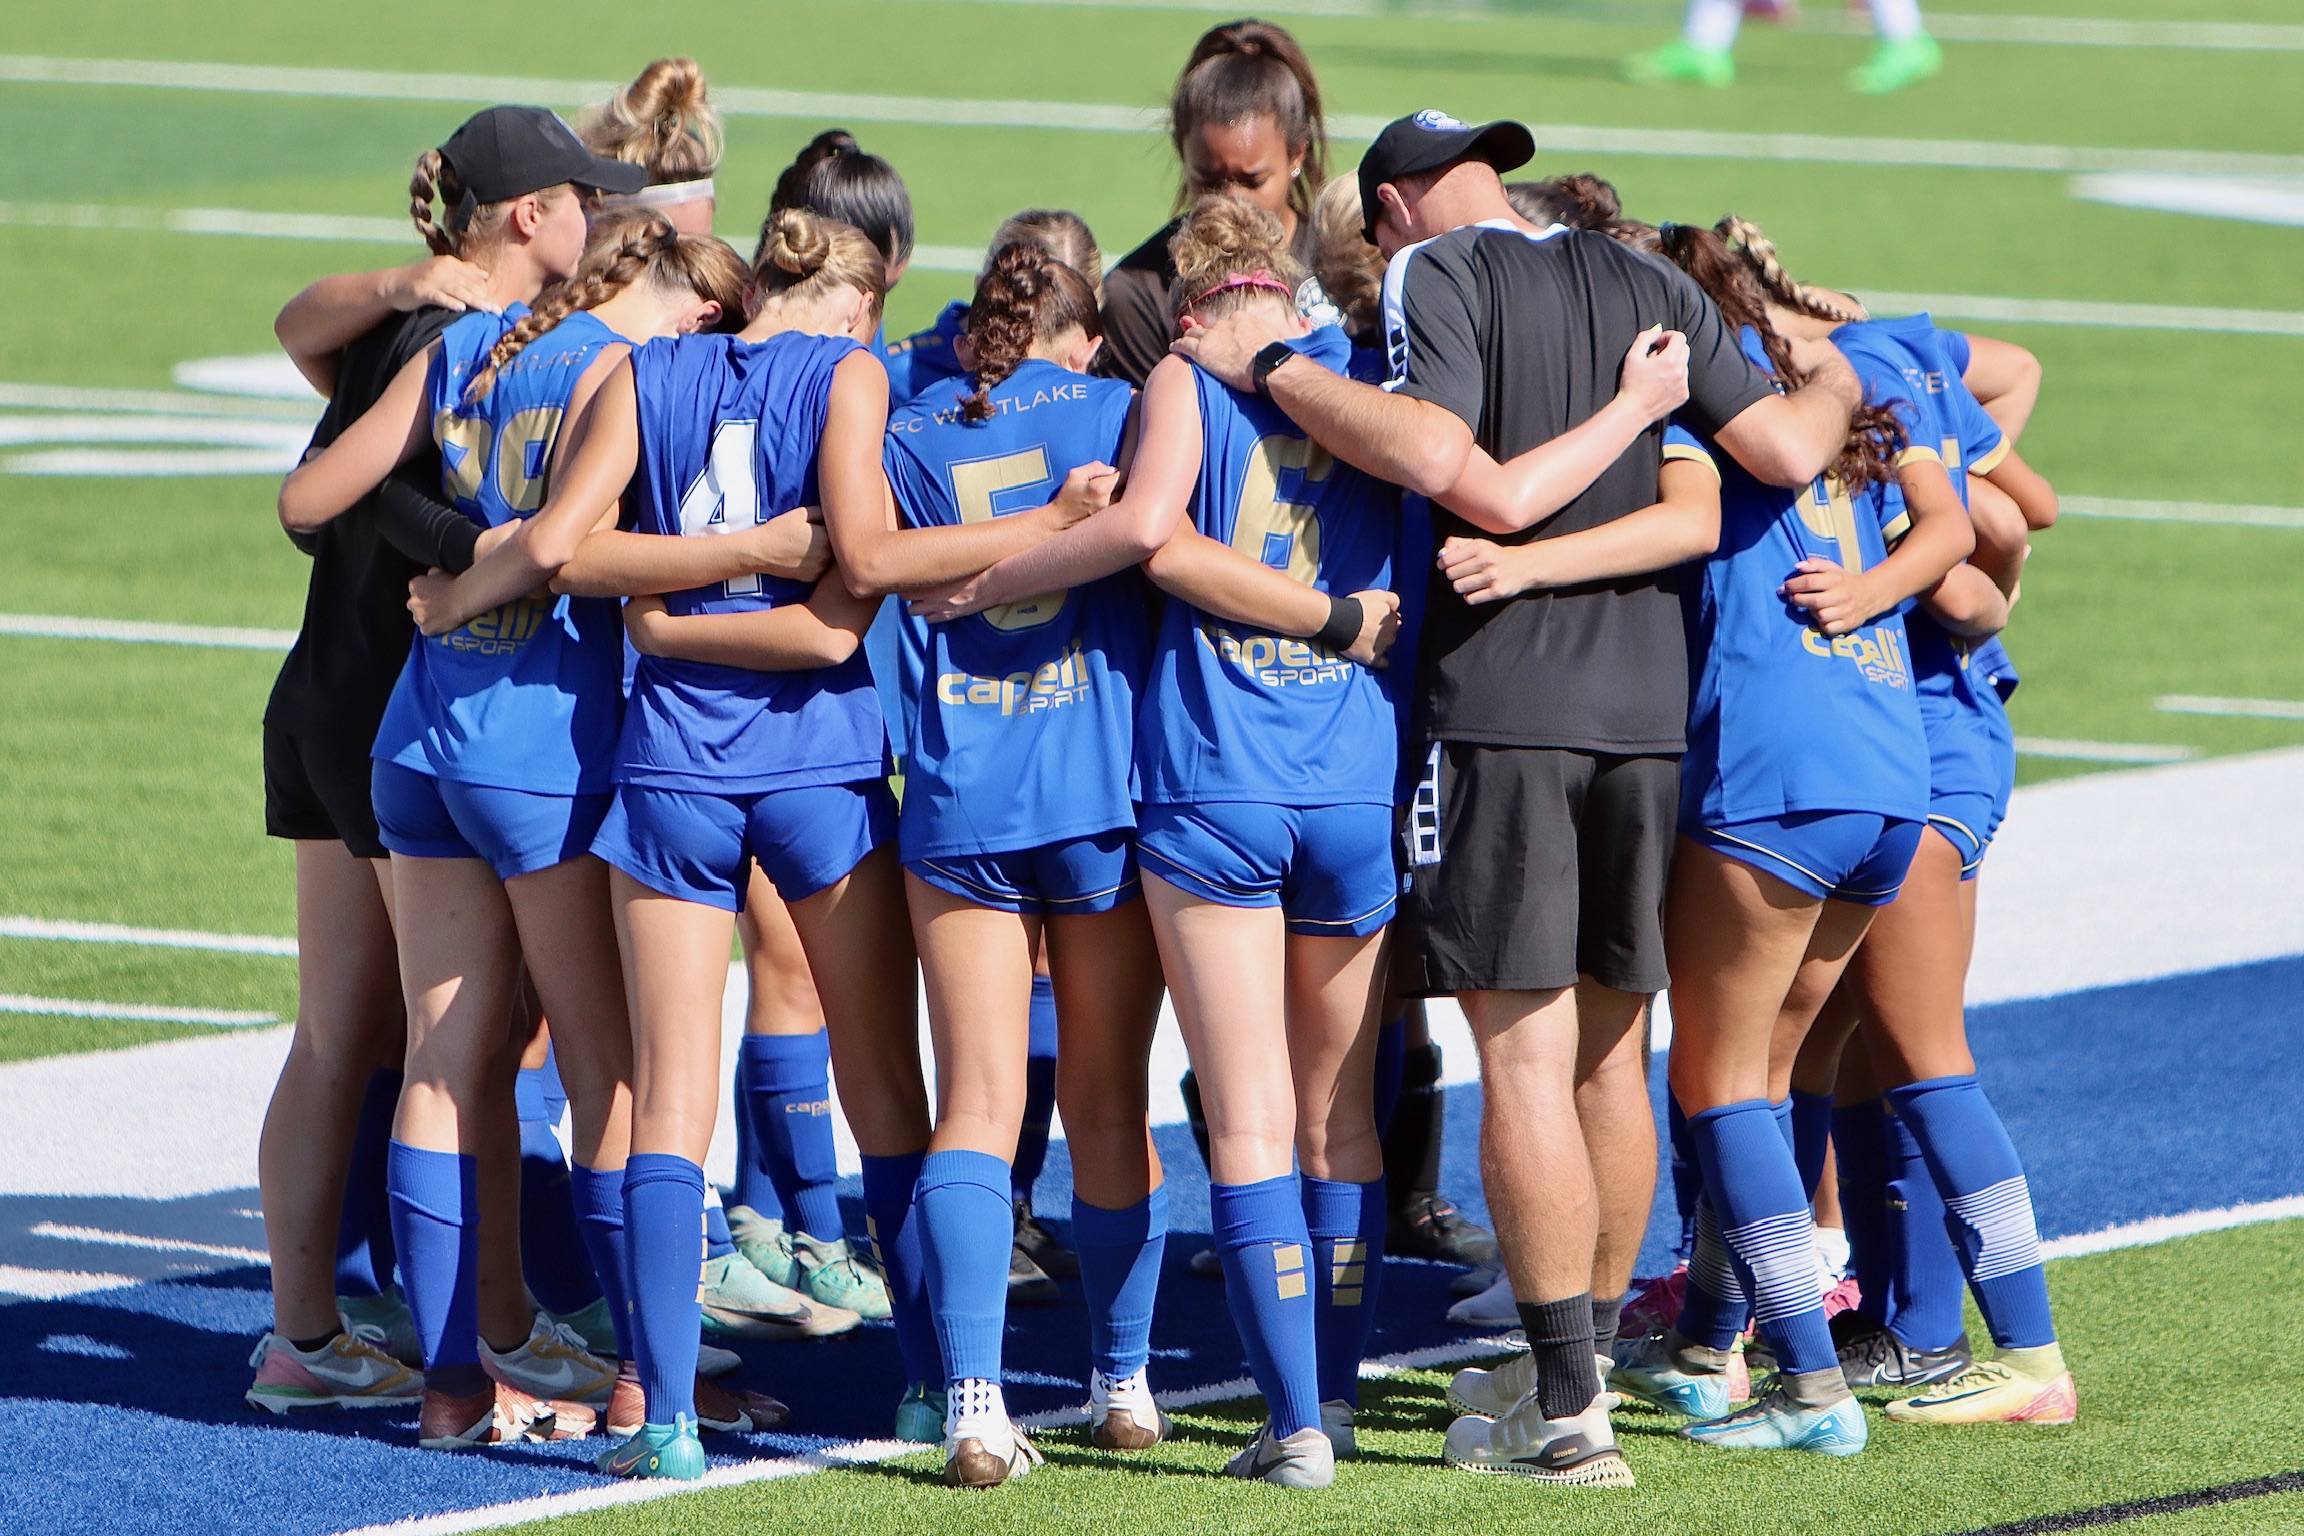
(1704, 52)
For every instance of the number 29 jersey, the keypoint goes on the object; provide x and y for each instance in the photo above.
(729, 437)
(1018, 722)
(1236, 713)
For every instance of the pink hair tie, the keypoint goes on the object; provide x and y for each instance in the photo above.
(1260, 278)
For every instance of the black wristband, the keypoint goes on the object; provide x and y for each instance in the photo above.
(1343, 626)
(1268, 358)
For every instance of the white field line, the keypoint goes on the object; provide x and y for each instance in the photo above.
(149, 1013)
(1107, 117)
(2233, 513)
(2202, 704)
(2080, 32)
(152, 463)
(2104, 751)
(155, 938)
(210, 221)
(66, 397)
(2214, 197)
(2149, 317)
(20, 1284)
(2161, 1229)
(110, 1239)
(136, 631)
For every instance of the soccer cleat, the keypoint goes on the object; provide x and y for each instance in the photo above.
(740, 1302)
(1992, 1392)
(497, 1415)
(765, 1243)
(1122, 1415)
(1052, 1256)
(348, 1371)
(712, 1360)
(1495, 1307)
(1475, 1280)
(1029, 1284)
(552, 1363)
(737, 1411)
(833, 1275)
(1208, 1265)
(920, 1415)
(1895, 65)
(384, 1321)
(1428, 1226)
(1776, 1423)
(1871, 1356)
(1654, 1304)
(657, 1450)
(1490, 1391)
(1336, 1424)
(1306, 1459)
(1580, 1452)
(627, 1408)
(594, 1324)
(989, 1458)
(1650, 1370)
(1680, 62)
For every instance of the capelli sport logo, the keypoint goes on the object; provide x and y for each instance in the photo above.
(1433, 120)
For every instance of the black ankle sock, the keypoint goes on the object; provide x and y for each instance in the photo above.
(306, 1346)
(1560, 1337)
(456, 1380)
(1607, 1311)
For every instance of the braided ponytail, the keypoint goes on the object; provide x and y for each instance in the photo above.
(1025, 297)
(432, 179)
(1745, 238)
(465, 224)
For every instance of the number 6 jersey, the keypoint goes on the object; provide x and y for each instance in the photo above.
(1236, 713)
(1018, 721)
(729, 436)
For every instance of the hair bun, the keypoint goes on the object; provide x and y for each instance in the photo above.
(798, 242)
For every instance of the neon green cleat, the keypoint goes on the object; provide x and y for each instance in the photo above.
(1896, 65)
(1996, 1392)
(836, 1275)
(764, 1241)
(1680, 62)
(920, 1415)
(658, 1450)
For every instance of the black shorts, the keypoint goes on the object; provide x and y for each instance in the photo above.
(1528, 867)
(318, 791)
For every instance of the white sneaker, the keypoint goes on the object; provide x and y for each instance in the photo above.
(1336, 1424)
(1492, 1308)
(346, 1372)
(1490, 1392)
(983, 1448)
(1306, 1459)
(1122, 1415)
(1523, 1443)
(553, 1365)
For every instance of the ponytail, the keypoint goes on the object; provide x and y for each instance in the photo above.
(1227, 252)
(1759, 252)
(1249, 69)
(664, 121)
(465, 225)
(1026, 296)
(833, 177)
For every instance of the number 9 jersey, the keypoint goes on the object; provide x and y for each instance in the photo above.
(729, 435)
(1235, 713)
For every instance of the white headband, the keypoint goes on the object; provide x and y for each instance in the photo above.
(670, 194)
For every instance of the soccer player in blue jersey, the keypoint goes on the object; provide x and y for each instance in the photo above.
(936, 354)
(491, 777)
(1018, 830)
(1803, 795)
(1265, 750)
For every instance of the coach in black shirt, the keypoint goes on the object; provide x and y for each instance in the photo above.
(1545, 824)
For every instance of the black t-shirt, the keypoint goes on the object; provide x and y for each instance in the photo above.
(356, 630)
(1524, 338)
(1138, 325)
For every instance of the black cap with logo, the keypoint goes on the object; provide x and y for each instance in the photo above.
(505, 152)
(1429, 140)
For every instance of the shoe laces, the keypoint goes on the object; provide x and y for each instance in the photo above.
(553, 1337)
(1983, 1373)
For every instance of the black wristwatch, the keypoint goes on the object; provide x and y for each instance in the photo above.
(1268, 357)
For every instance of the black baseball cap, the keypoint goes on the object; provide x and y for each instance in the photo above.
(507, 151)
(1428, 140)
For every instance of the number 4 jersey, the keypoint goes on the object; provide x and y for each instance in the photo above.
(528, 695)
(1019, 721)
(1236, 713)
(729, 436)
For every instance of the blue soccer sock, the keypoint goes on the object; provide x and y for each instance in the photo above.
(894, 1228)
(787, 1083)
(1346, 1222)
(1266, 1250)
(1715, 1307)
(1391, 1066)
(664, 1253)
(364, 1248)
(1039, 1093)
(1120, 1254)
(966, 1230)
(1860, 1153)
(1811, 1137)
(599, 1203)
(553, 1258)
(1991, 1221)
(753, 1188)
(719, 1242)
(1924, 1281)
(1687, 1182)
(435, 1225)
(1751, 1180)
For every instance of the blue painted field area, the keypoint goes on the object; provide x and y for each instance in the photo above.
(2130, 1102)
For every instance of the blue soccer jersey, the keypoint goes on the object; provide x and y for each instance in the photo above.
(1968, 730)
(1784, 720)
(1018, 722)
(525, 696)
(926, 357)
(729, 434)
(1234, 713)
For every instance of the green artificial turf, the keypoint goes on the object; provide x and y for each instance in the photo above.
(2159, 1415)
